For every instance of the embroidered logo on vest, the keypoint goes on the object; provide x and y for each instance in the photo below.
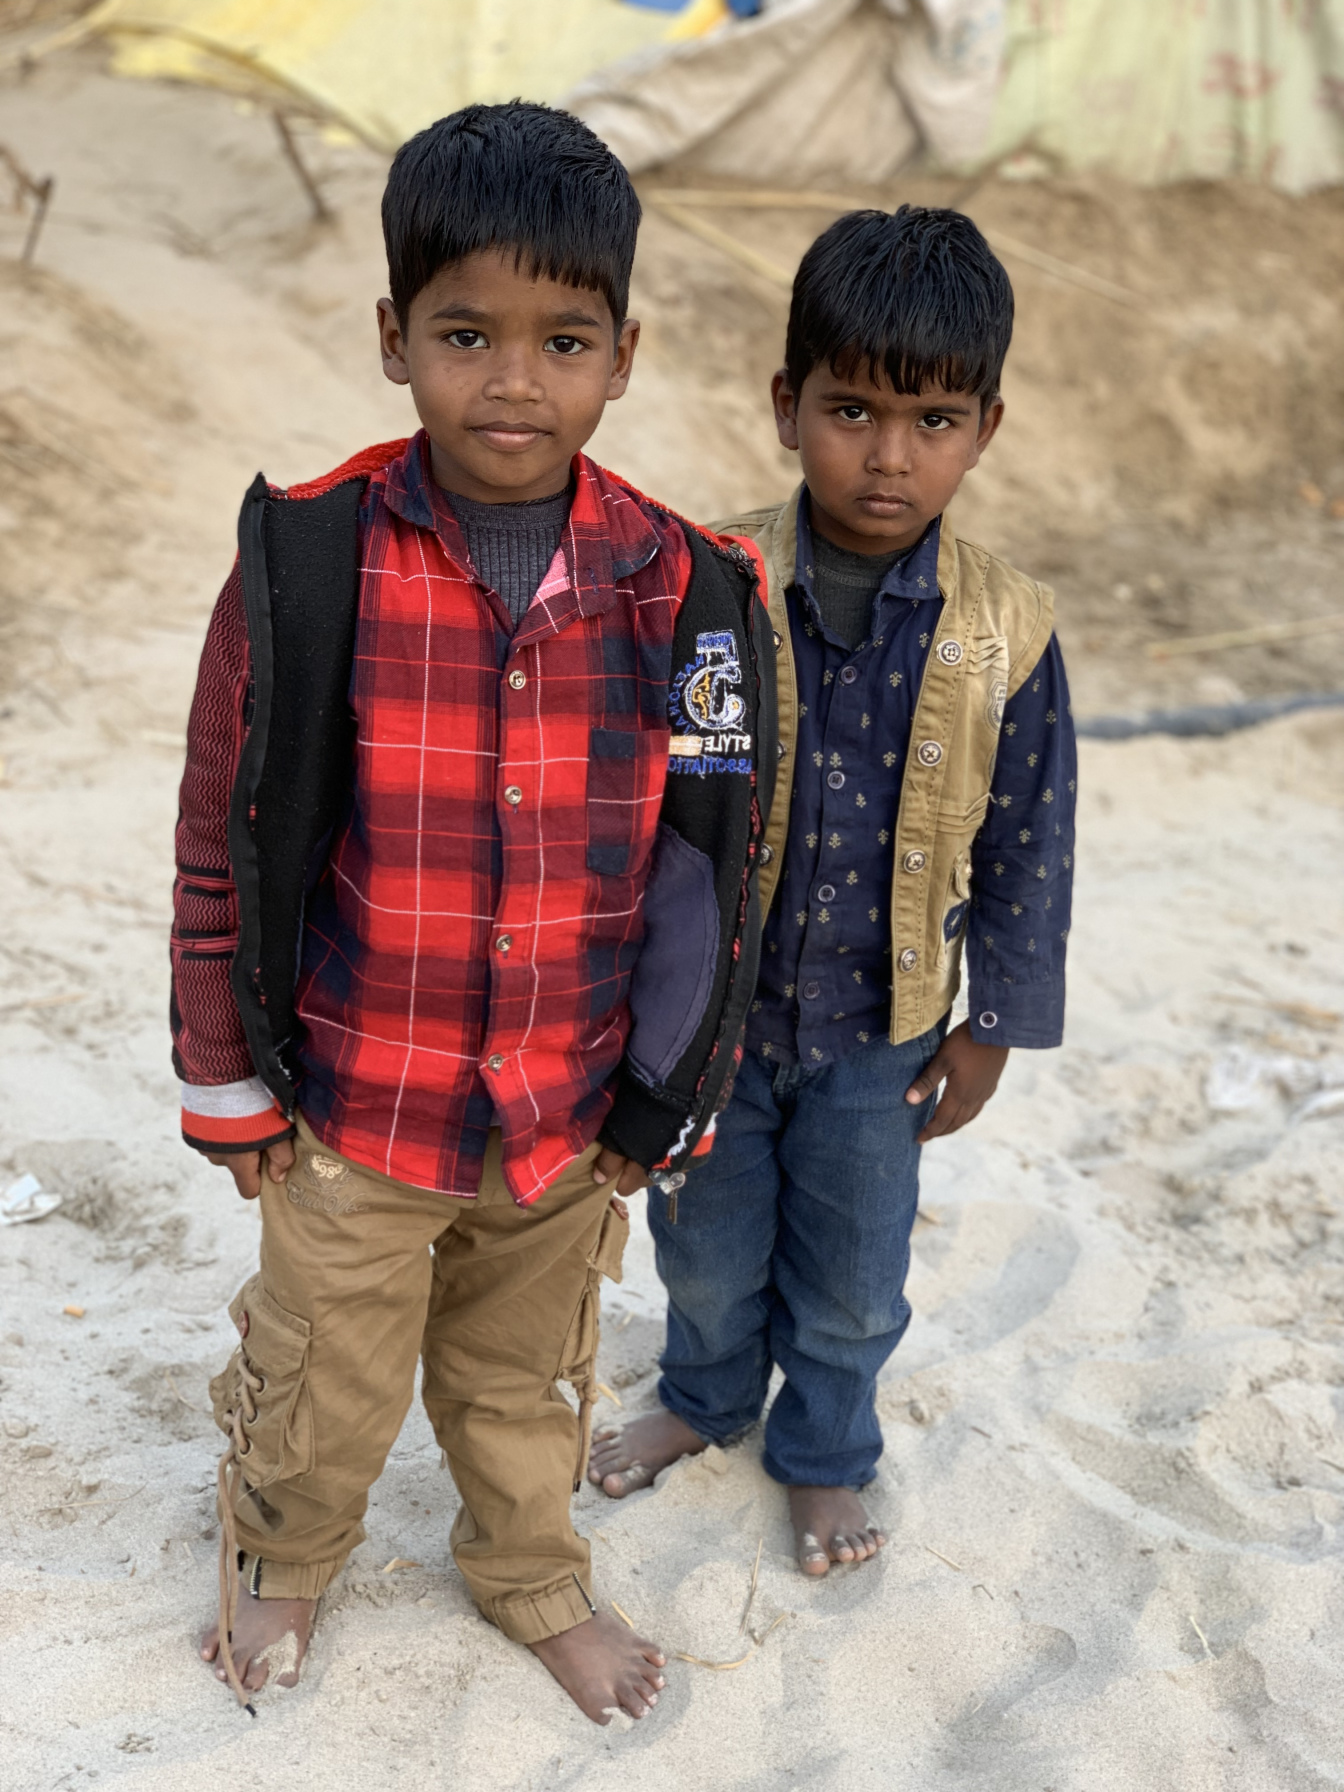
(706, 711)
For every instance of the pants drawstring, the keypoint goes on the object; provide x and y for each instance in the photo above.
(229, 1477)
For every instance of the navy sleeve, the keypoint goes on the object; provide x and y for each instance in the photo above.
(1022, 868)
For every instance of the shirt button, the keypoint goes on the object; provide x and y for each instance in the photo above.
(908, 959)
(512, 794)
(504, 941)
(811, 991)
(915, 861)
(989, 1019)
(929, 752)
(826, 893)
(494, 1062)
(517, 680)
(836, 780)
(767, 853)
(949, 652)
(849, 674)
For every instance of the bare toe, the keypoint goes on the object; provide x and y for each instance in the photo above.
(812, 1558)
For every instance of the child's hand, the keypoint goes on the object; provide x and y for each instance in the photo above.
(246, 1166)
(609, 1163)
(972, 1072)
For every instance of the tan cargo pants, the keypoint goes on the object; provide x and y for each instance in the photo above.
(360, 1276)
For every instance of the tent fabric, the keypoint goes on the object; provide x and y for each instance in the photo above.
(1158, 90)
(804, 92)
(387, 68)
(818, 91)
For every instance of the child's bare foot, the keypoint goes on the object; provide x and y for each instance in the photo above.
(601, 1664)
(623, 1461)
(831, 1526)
(267, 1634)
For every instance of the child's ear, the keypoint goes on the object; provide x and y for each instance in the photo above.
(392, 341)
(627, 342)
(786, 408)
(990, 419)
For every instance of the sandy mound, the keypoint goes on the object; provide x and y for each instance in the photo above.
(1114, 1475)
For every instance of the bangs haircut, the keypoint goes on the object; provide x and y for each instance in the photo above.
(517, 176)
(916, 294)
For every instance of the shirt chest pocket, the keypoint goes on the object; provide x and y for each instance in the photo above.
(621, 809)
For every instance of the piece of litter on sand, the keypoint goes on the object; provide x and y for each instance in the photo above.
(726, 1667)
(751, 1590)
(117, 1500)
(167, 1376)
(611, 1395)
(400, 1562)
(1194, 1625)
(980, 1587)
(622, 1615)
(72, 1311)
(26, 1200)
(942, 1558)
(929, 1219)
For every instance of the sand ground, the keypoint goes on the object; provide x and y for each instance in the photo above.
(1114, 1476)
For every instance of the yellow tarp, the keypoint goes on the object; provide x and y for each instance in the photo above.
(1158, 90)
(387, 68)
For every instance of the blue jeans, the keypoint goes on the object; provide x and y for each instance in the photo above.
(791, 1247)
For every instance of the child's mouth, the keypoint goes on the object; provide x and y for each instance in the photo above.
(509, 438)
(883, 503)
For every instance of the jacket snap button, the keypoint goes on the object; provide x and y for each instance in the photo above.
(908, 959)
(989, 1019)
(494, 1062)
(949, 652)
(512, 794)
(779, 640)
(767, 853)
(848, 674)
(504, 941)
(836, 780)
(517, 680)
(780, 750)
(915, 861)
(929, 752)
(826, 893)
(811, 991)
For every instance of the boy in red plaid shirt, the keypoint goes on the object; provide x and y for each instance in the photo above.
(465, 912)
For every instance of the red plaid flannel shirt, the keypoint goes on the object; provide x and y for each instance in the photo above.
(467, 953)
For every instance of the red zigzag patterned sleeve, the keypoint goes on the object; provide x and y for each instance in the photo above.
(225, 1106)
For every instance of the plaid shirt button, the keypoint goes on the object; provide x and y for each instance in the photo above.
(494, 1062)
(517, 680)
(504, 941)
(513, 795)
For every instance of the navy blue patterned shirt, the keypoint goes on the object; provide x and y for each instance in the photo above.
(825, 982)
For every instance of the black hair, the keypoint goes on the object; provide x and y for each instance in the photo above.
(917, 294)
(516, 176)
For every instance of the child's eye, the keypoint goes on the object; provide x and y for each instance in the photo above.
(853, 413)
(566, 345)
(934, 421)
(466, 339)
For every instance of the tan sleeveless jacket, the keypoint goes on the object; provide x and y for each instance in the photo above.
(994, 627)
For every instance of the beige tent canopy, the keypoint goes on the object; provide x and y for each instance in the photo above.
(807, 92)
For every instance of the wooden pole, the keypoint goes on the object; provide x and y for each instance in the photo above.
(322, 212)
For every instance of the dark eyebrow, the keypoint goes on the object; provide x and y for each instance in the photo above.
(581, 320)
(843, 395)
(470, 312)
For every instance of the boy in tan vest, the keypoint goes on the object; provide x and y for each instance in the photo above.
(924, 805)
